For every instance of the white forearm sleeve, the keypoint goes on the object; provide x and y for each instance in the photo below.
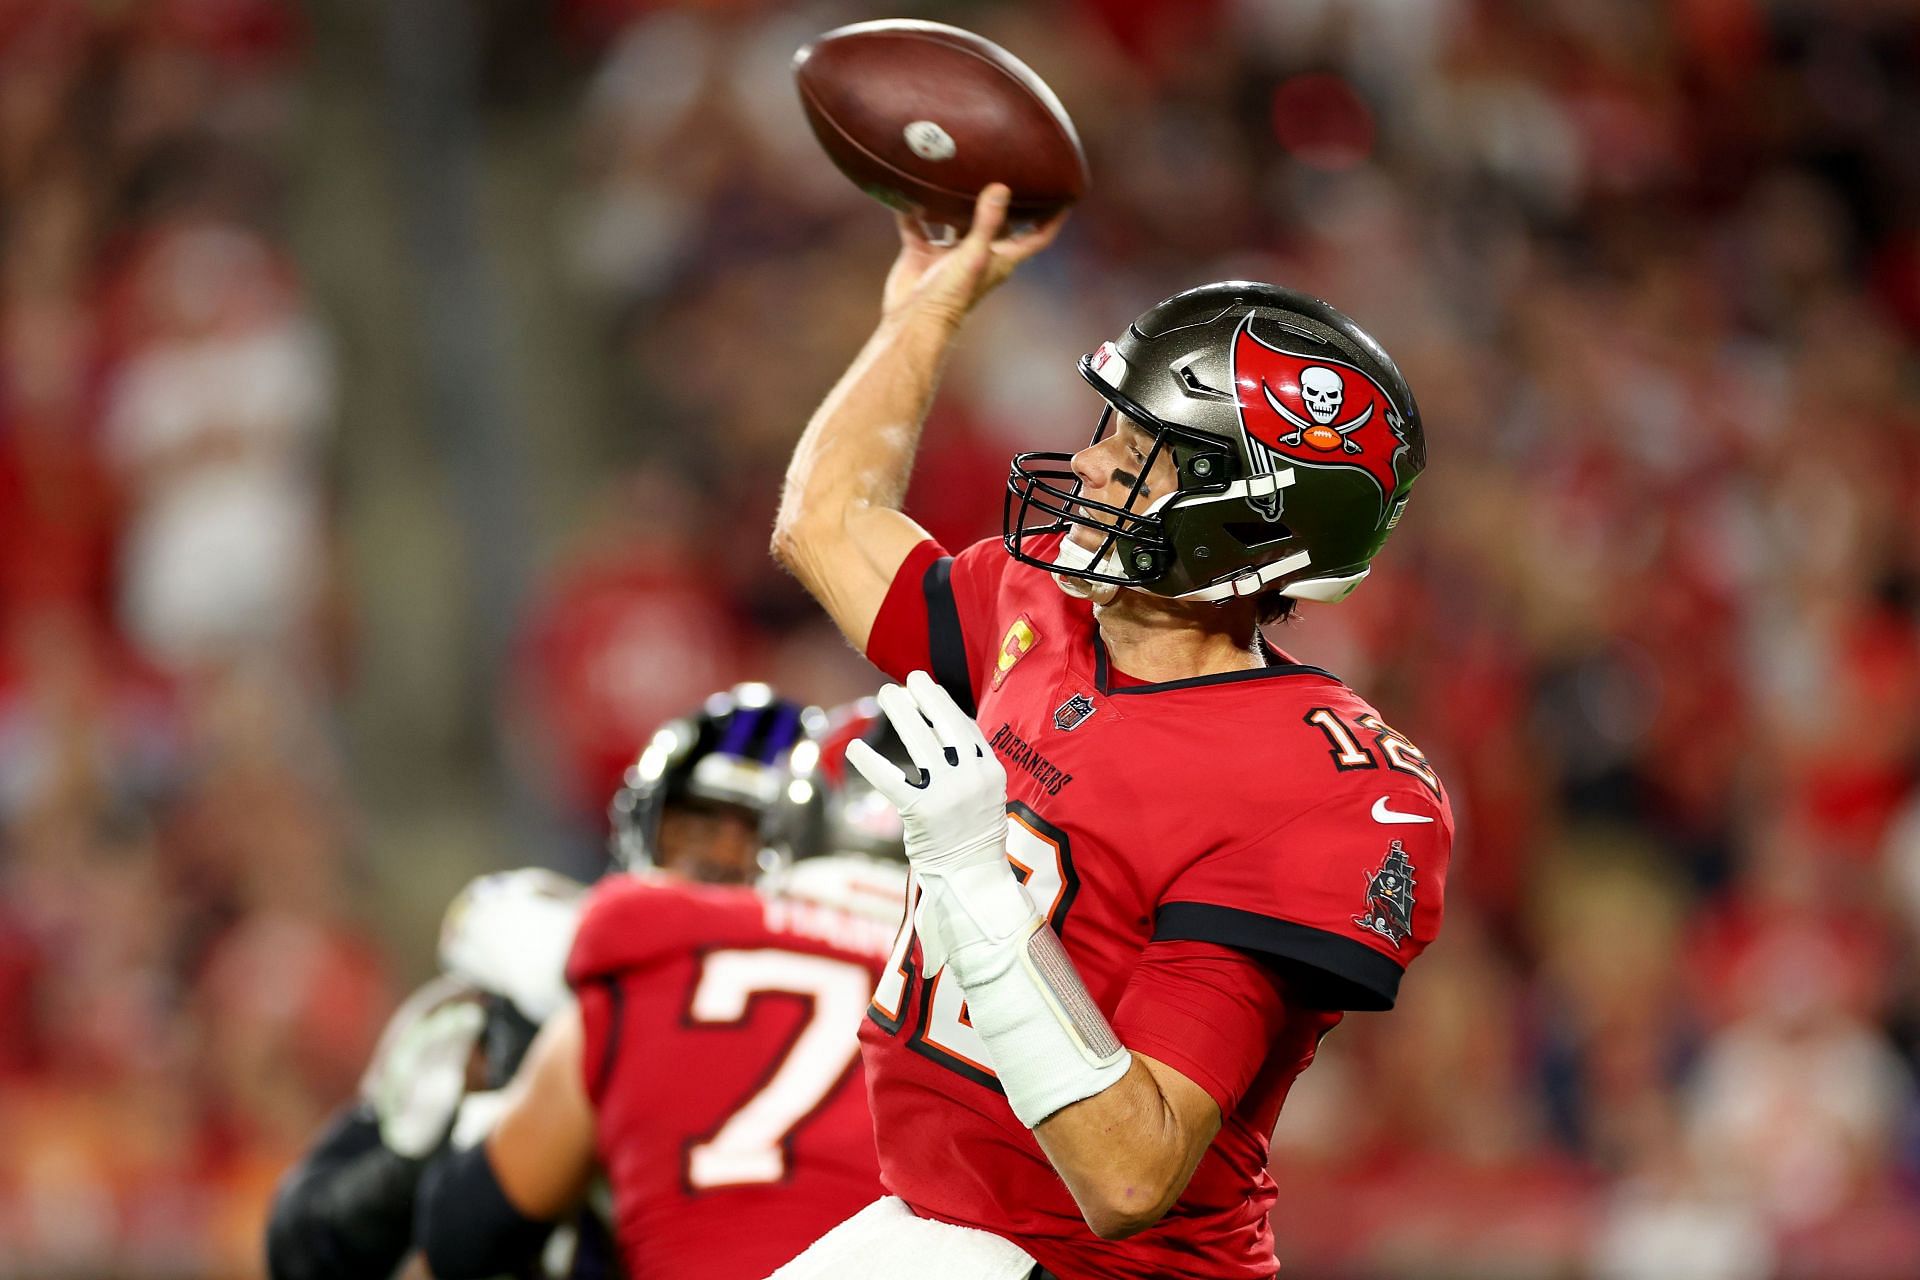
(1049, 1043)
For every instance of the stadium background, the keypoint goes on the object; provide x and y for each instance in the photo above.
(392, 402)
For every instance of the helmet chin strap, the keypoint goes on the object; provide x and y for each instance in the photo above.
(1074, 559)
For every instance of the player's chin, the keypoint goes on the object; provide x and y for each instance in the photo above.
(1087, 536)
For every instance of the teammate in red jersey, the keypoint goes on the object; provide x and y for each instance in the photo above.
(711, 799)
(1230, 848)
(709, 1067)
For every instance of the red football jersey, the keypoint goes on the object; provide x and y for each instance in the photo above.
(721, 1060)
(1231, 861)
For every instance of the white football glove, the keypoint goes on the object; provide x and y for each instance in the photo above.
(955, 815)
(509, 933)
(419, 1070)
(1048, 1041)
(956, 812)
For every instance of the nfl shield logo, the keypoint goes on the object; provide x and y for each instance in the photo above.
(1072, 712)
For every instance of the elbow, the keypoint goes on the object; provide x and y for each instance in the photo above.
(1111, 1222)
(793, 535)
(803, 543)
(1119, 1226)
(1123, 1207)
(786, 542)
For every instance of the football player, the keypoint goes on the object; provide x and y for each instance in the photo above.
(694, 805)
(709, 1065)
(1154, 858)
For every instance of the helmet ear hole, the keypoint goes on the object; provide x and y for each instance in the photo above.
(1255, 534)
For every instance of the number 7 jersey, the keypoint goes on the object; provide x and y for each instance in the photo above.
(1232, 862)
(721, 1061)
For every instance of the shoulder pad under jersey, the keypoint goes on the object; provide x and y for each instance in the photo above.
(509, 933)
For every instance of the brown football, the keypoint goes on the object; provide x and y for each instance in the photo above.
(922, 116)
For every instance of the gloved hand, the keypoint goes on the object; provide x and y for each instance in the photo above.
(956, 811)
(1045, 1037)
(419, 1070)
(509, 933)
(955, 814)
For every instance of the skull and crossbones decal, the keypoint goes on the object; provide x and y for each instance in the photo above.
(1313, 409)
(1322, 390)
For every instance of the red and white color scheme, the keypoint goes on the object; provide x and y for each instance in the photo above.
(722, 1065)
(1315, 411)
(1209, 853)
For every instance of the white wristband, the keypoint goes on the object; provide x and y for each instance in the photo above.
(1048, 1042)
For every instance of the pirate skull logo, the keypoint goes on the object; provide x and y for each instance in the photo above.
(1316, 410)
(1323, 404)
(1323, 389)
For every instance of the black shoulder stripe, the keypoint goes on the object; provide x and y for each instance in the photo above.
(616, 1028)
(1339, 973)
(946, 644)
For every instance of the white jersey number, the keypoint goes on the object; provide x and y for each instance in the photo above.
(751, 1146)
(1343, 745)
(1038, 851)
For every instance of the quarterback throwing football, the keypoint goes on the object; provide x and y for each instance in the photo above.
(1154, 860)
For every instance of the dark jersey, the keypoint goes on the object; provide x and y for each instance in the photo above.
(721, 1061)
(1231, 862)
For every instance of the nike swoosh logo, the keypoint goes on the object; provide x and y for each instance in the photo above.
(1383, 814)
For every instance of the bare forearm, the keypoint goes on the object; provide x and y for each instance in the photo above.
(840, 529)
(1127, 1152)
(859, 446)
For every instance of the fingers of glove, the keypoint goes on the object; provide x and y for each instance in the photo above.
(443, 1038)
(883, 773)
(954, 727)
(922, 743)
(421, 1084)
(450, 1032)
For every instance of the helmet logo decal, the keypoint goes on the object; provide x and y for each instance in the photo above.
(1318, 412)
(1018, 643)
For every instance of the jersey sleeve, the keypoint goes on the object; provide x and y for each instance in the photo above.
(936, 614)
(1342, 897)
(1210, 1012)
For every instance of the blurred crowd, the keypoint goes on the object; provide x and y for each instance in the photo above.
(183, 986)
(1652, 269)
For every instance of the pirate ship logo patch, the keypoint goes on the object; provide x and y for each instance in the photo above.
(1389, 910)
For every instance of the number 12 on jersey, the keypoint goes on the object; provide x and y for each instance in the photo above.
(1039, 854)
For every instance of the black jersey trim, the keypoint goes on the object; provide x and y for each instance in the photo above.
(946, 643)
(1102, 674)
(616, 1027)
(1340, 972)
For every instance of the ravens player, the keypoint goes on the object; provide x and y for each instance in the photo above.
(1154, 858)
(694, 806)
